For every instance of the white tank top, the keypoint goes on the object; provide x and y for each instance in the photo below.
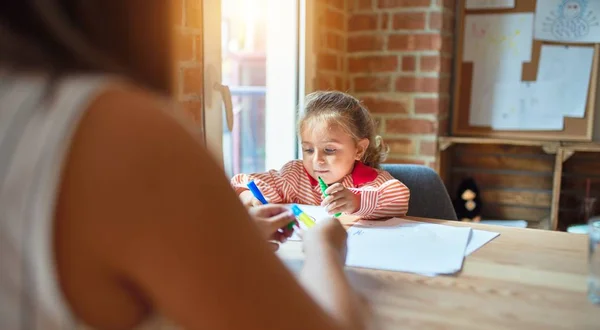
(37, 121)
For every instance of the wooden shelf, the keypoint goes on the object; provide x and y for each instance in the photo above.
(548, 146)
(499, 157)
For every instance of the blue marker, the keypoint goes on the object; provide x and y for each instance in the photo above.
(256, 192)
(258, 195)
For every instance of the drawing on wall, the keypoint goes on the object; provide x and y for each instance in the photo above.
(490, 4)
(567, 20)
(498, 45)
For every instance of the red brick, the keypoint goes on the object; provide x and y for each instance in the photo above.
(339, 4)
(448, 22)
(334, 41)
(384, 23)
(409, 21)
(388, 63)
(365, 43)
(339, 84)
(400, 160)
(386, 106)
(417, 84)
(443, 127)
(427, 105)
(372, 84)
(334, 20)
(401, 146)
(409, 63)
(327, 62)
(446, 64)
(429, 63)
(192, 80)
(444, 86)
(362, 22)
(450, 4)
(446, 44)
(427, 148)
(403, 3)
(193, 110)
(193, 14)
(435, 21)
(199, 47)
(414, 42)
(184, 44)
(444, 106)
(364, 4)
(325, 82)
(409, 126)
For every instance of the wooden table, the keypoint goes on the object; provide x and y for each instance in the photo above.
(523, 279)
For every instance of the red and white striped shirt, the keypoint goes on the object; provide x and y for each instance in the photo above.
(381, 196)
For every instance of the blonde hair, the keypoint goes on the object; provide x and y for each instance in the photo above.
(347, 112)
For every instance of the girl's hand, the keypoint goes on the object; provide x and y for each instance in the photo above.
(273, 221)
(249, 200)
(340, 200)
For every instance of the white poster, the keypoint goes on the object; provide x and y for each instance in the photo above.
(567, 20)
(570, 67)
(497, 44)
(490, 4)
(526, 106)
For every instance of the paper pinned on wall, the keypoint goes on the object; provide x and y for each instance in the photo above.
(490, 4)
(570, 67)
(567, 20)
(526, 106)
(497, 44)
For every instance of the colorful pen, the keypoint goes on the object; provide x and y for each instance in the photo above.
(258, 195)
(323, 188)
(306, 220)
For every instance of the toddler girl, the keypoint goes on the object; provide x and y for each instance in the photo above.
(339, 146)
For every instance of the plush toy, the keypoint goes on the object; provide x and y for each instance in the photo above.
(468, 202)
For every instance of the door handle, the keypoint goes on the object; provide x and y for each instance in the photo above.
(226, 96)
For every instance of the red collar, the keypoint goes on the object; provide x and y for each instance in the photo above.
(361, 174)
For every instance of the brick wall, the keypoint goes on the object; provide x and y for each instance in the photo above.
(397, 57)
(330, 37)
(188, 50)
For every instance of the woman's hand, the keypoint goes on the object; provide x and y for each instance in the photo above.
(340, 199)
(273, 221)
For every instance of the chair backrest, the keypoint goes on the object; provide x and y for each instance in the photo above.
(428, 195)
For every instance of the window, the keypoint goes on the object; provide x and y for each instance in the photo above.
(257, 56)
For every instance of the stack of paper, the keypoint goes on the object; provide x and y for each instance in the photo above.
(408, 246)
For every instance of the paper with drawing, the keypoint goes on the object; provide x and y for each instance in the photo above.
(489, 4)
(497, 45)
(567, 20)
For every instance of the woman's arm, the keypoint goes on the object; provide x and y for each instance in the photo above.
(147, 222)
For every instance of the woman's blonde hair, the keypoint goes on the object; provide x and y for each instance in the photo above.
(347, 112)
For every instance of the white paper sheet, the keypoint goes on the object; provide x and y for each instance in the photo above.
(497, 44)
(490, 4)
(570, 67)
(478, 239)
(526, 106)
(408, 246)
(567, 20)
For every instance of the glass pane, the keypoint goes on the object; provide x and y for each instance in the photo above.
(244, 70)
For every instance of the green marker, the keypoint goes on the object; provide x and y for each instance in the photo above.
(323, 188)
